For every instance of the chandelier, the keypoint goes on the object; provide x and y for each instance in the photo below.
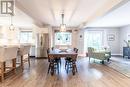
(62, 26)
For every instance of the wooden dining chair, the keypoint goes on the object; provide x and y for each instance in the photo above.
(55, 61)
(7, 54)
(69, 61)
(58, 59)
(23, 52)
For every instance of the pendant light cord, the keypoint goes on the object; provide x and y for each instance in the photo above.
(62, 15)
(11, 20)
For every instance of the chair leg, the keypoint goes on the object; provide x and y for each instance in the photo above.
(58, 66)
(108, 60)
(60, 62)
(94, 60)
(28, 60)
(2, 71)
(49, 68)
(89, 59)
(76, 69)
(102, 61)
(65, 64)
(22, 66)
(14, 65)
(67, 67)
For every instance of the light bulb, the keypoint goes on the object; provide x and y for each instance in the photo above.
(11, 27)
(63, 28)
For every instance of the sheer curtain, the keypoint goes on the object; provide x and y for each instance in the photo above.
(93, 38)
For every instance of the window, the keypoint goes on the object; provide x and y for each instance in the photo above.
(93, 39)
(26, 37)
(62, 38)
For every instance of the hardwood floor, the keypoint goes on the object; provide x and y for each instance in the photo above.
(89, 75)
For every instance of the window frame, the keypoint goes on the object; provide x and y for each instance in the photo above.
(64, 44)
(101, 32)
(28, 41)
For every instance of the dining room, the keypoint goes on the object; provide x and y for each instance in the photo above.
(64, 43)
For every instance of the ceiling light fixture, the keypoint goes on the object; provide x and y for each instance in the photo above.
(62, 26)
(11, 27)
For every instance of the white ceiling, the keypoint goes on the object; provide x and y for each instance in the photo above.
(117, 18)
(77, 12)
(19, 20)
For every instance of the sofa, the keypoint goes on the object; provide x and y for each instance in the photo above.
(101, 55)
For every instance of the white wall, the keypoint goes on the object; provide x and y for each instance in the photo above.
(80, 44)
(124, 31)
(114, 45)
(78, 41)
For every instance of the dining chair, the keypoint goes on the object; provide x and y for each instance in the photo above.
(23, 52)
(58, 59)
(7, 54)
(55, 62)
(69, 61)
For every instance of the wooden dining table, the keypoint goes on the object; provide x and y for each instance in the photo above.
(63, 54)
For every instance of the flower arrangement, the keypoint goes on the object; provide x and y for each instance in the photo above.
(127, 43)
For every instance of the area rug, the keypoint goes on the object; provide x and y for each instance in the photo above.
(121, 67)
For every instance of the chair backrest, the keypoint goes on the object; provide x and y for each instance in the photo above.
(90, 51)
(8, 53)
(75, 50)
(26, 49)
(48, 51)
(52, 48)
(23, 50)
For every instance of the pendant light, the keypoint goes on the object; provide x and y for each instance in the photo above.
(11, 27)
(62, 26)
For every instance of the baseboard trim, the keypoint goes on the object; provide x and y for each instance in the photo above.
(41, 57)
(31, 56)
(117, 54)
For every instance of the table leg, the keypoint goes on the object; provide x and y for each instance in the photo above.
(4, 64)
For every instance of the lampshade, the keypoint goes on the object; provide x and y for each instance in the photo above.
(62, 26)
(11, 27)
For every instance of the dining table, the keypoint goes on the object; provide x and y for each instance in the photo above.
(62, 54)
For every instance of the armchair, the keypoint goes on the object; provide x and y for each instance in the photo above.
(101, 55)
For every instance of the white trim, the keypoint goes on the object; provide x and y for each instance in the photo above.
(117, 54)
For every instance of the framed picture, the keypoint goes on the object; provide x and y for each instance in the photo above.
(111, 37)
(128, 37)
